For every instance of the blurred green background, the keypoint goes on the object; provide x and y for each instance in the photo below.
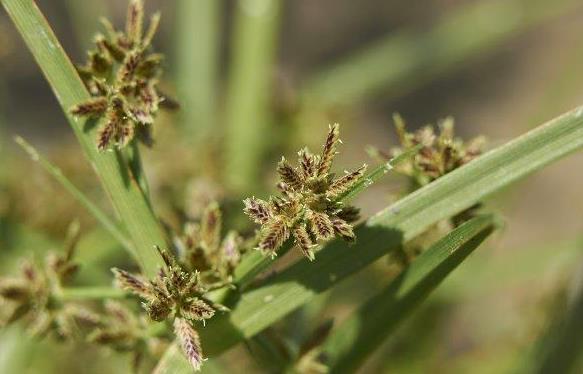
(260, 78)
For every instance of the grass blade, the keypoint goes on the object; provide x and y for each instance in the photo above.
(560, 349)
(403, 61)
(359, 336)
(197, 58)
(124, 192)
(248, 94)
(97, 213)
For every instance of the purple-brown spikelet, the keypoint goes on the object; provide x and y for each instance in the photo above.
(135, 20)
(91, 108)
(14, 289)
(343, 229)
(307, 163)
(258, 210)
(129, 66)
(321, 225)
(189, 342)
(349, 214)
(341, 185)
(329, 151)
(289, 175)
(132, 283)
(198, 310)
(303, 241)
(273, 235)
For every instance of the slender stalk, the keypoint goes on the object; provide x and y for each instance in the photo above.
(124, 191)
(97, 213)
(197, 55)
(248, 93)
(91, 293)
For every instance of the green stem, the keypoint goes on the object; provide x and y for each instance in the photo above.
(91, 293)
(248, 93)
(197, 54)
(124, 192)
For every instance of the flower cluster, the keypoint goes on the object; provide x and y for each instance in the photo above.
(120, 329)
(122, 78)
(176, 294)
(310, 207)
(34, 297)
(200, 247)
(439, 154)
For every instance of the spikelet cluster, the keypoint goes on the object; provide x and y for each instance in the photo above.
(439, 154)
(201, 248)
(121, 75)
(33, 296)
(178, 295)
(309, 209)
(121, 330)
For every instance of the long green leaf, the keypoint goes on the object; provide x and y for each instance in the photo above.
(97, 213)
(124, 192)
(259, 308)
(560, 348)
(248, 93)
(197, 64)
(404, 60)
(360, 335)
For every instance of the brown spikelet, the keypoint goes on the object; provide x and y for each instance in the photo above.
(303, 241)
(107, 134)
(257, 209)
(289, 175)
(321, 226)
(343, 184)
(349, 214)
(211, 226)
(129, 66)
(91, 108)
(343, 229)
(148, 67)
(99, 63)
(152, 29)
(158, 310)
(135, 20)
(106, 46)
(329, 151)
(14, 289)
(189, 342)
(197, 310)
(124, 134)
(272, 236)
(307, 163)
(129, 282)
